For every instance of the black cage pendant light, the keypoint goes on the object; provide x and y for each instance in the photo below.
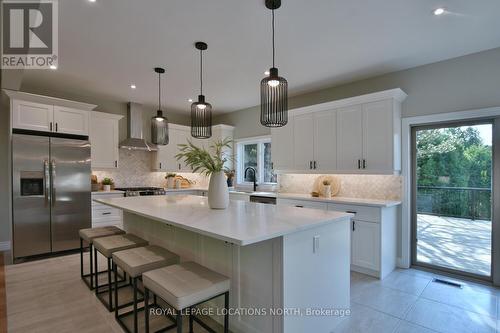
(159, 123)
(201, 111)
(273, 89)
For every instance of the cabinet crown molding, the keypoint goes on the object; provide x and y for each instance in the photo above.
(29, 97)
(396, 94)
(107, 115)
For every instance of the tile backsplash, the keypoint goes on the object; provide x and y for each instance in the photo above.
(135, 170)
(384, 187)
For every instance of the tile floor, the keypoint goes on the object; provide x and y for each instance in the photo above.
(48, 296)
(408, 301)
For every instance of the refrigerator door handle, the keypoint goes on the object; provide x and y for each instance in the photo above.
(52, 181)
(46, 177)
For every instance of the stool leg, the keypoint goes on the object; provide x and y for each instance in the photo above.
(179, 321)
(134, 283)
(226, 315)
(96, 270)
(81, 257)
(91, 265)
(146, 309)
(110, 299)
(115, 273)
(190, 321)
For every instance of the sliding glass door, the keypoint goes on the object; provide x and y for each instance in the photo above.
(452, 197)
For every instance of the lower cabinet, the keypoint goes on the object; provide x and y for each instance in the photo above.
(103, 215)
(373, 234)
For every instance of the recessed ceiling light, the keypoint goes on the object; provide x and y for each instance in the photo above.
(92, 0)
(439, 11)
(132, 86)
(53, 67)
(266, 73)
(190, 100)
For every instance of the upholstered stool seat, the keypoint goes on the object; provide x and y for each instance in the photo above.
(135, 262)
(88, 235)
(186, 285)
(107, 246)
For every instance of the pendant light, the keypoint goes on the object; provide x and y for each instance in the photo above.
(201, 111)
(273, 89)
(159, 123)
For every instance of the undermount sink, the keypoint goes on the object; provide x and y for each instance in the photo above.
(255, 193)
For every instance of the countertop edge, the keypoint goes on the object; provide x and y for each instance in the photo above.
(341, 200)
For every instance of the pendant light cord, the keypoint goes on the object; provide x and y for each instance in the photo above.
(159, 91)
(273, 37)
(201, 72)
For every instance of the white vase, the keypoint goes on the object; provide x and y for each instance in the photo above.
(218, 192)
(106, 188)
(327, 191)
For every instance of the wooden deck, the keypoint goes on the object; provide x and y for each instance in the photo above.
(456, 243)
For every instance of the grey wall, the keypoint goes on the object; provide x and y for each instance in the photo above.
(464, 83)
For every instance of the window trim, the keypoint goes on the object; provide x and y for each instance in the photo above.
(259, 140)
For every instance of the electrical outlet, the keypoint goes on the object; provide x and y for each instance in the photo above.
(315, 244)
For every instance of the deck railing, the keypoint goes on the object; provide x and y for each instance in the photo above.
(463, 202)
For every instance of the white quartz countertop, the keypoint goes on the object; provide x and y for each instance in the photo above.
(242, 223)
(185, 189)
(107, 192)
(341, 200)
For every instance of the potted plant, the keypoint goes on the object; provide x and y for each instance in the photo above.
(170, 177)
(209, 163)
(327, 189)
(106, 184)
(230, 177)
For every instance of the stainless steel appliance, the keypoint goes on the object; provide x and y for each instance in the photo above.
(51, 193)
(140, 191)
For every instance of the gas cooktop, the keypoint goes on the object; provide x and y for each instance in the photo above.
(140, 191)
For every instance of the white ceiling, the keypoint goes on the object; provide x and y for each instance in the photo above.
(107, 45)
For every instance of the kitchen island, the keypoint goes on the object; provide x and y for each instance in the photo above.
(289, 267)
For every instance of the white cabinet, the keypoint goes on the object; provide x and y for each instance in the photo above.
(164, 159)
(282, 147)
(350, 137)
(104, 140)
(355, 135)
(71, 121)
(103, 215)
(365, 244)
(32, 116)
(373, 234)
(42, 117)
(314, 141)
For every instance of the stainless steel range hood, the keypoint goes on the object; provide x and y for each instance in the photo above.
(135, 140)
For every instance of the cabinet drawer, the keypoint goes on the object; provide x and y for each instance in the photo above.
(363, 213)
(303, 203)
(108, 212)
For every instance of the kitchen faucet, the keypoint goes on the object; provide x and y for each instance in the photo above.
(254, 176)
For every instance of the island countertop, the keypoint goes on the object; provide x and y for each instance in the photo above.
(242, 223)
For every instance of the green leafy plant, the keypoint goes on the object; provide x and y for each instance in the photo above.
(205, 161)
(170, 175)
(107, 181)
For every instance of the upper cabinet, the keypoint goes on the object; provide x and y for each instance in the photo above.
(355, 135)
(48, 114)
(164, 158)
(104, 139)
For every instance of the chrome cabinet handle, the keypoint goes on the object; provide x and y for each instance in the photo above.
(52, 181)
(364, 164)
(310, 164)
(116, 164)
(359, 164)
(314, 164)
(46, 176)
(160, 165)
(56, 127)
(50, 126)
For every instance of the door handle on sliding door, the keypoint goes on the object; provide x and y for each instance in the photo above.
(46, 186)
(52, 182)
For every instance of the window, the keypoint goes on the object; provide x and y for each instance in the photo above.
(255, 153)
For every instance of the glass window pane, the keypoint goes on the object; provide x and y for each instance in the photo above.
(250, 160)
(269, 176)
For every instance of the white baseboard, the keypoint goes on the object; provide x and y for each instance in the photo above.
(4, 246)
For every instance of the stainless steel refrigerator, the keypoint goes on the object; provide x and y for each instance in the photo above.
(51, 193)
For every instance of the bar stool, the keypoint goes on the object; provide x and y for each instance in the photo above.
(135, 262)
(184, 286)
(107, 246)
(88, 235)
